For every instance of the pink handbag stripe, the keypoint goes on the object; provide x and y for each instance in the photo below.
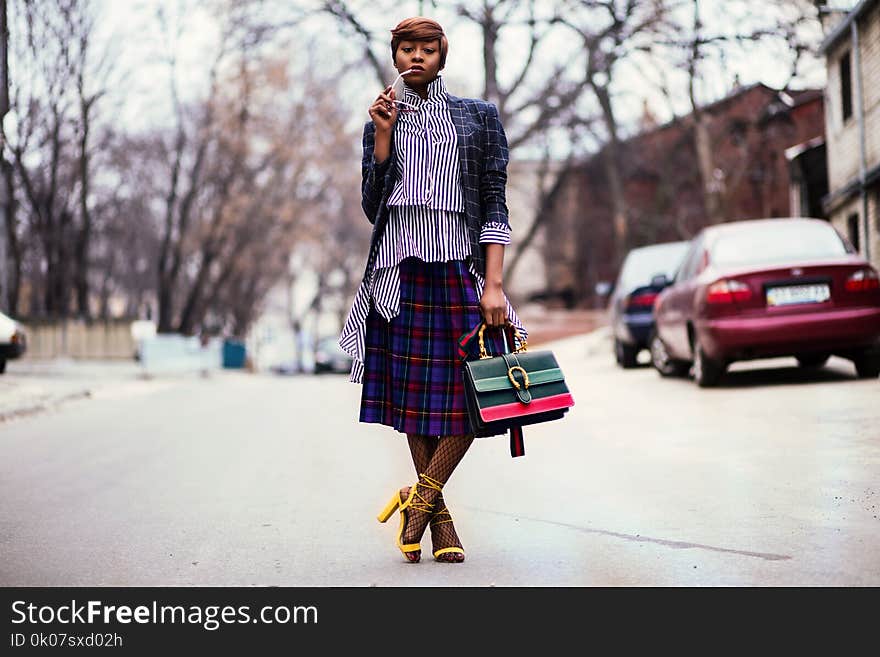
(518, 409)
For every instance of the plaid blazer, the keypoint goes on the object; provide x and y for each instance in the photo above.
(483, 156)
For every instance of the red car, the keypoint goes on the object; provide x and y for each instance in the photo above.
(765, 288)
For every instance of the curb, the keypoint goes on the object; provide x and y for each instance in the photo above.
(40, 407)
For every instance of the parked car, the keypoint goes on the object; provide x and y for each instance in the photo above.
(766, 288)
(644, 273)
(329, 357)
(13, 340)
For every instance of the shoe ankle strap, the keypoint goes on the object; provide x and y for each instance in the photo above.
(441, 516)
(420, 503)
(430, 482)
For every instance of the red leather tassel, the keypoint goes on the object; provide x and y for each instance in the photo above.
(517, 444)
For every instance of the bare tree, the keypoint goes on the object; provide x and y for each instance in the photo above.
(623, 27)
(56, 83)
(125, 247)
(9, 246)
(192, 138)
(792, 25)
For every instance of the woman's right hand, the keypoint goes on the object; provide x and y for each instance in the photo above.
(383, 111)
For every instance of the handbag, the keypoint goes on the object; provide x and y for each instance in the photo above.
(509, 390)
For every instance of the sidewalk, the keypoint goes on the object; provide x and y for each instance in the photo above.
(33, 386)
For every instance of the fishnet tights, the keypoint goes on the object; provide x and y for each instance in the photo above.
(437, 458)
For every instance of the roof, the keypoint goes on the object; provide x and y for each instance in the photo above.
(710, 108)
(788, 99)
(842, 28)
(799, 149)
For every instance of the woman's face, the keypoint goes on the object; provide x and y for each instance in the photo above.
(424, 55)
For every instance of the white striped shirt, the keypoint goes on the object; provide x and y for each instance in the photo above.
(428, 169)
(426, 217)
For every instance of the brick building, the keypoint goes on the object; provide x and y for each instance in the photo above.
(749, 132)
(852, 119)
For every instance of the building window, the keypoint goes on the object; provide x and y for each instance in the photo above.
(846, 85)
(852, 229)
(738, 129)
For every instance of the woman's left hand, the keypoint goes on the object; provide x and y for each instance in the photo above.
(493, 306)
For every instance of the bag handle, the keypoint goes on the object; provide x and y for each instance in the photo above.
(508, 325)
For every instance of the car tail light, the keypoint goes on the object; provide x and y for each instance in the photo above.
(862, 280)
(728, 291)
(643, 300)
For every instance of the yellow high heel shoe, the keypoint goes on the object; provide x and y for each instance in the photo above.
(439, 518)
(414, 501)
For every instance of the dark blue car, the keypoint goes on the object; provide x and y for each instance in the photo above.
(645, 272)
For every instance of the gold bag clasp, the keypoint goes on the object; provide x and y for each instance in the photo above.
(515, 383)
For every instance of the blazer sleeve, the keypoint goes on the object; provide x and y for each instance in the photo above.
(372, 174)
(493, 180)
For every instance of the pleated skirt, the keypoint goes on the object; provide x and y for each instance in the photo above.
(412, 370)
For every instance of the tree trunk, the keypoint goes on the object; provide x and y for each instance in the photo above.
(191, 314)
(164, 301)
(81, 248)
(10, 260)
(490, 67)
(164, 291)
(611, 163)
(8, 244)
(709, 184)
(64, 279)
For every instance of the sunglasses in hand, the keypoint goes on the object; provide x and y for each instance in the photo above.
(398, 88)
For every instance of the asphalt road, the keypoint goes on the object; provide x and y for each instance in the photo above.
(243, 479)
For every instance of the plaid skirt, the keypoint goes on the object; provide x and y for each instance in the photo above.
(412, 372)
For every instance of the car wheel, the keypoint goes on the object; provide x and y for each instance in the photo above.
(707, 372)
(867, 364)
(663, 363)
(626, 355)
(2, 365)
(813, 361)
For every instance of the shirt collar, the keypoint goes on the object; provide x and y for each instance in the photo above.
(436, 92)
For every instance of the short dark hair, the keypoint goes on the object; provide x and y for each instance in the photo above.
(419, 28)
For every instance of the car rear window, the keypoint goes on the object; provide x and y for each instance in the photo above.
(776, 242)
(643, 264)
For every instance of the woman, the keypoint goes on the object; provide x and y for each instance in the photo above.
(434, 174)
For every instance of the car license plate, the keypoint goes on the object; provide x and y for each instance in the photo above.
(791, 294)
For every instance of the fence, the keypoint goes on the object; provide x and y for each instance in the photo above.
(75, 338)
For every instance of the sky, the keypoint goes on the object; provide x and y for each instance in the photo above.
(132, 29)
